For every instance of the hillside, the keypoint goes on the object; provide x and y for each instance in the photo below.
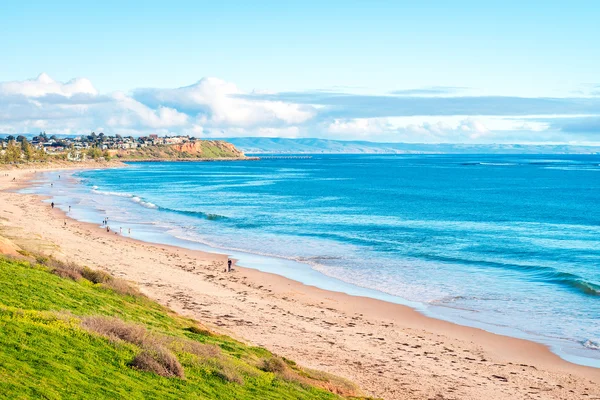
(199, 149)
(258, 145)
(72, 332)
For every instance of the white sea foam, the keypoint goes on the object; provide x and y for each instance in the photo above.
(141, 202)
(111, 193)
(134, 198)
(593, 344)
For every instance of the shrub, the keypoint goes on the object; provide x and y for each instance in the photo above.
(273, 364)
(122, 287)
(198, 331)
(72, 271)
(114, 328)
(153, 357)
(158, 361)
(62, 269)
(226, 371)
(200, 350)
(68, 274)
(95, 275)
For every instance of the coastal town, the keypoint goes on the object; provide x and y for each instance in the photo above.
(53, 143)
(42, 147)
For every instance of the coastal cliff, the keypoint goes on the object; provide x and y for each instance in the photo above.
(193, 150)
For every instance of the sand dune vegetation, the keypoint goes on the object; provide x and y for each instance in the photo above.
(73, 331)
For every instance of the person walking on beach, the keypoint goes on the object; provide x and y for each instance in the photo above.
(229, 265)
(129, 231)
(52, 204)
(69, 208)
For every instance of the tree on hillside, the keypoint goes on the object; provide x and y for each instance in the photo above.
(12, 153)
(94, 153)
(40, 154)
(27, 150)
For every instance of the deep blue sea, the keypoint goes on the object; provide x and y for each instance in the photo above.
(507, 243)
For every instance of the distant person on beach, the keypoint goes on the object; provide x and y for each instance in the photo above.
(69, 208)
(121, 230)
(52, 204)
(65, 222)
(129, 231)
(52, 184)
(229, 265)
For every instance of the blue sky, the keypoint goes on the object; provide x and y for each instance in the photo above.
(399, 71)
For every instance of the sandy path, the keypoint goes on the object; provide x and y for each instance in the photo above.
(390, 350)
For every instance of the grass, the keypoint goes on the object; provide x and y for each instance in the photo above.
(64, 336)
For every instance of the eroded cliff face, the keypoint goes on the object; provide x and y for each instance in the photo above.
(207, 148)
(199, 149)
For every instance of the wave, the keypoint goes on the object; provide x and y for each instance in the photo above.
(593, 344)
(117, 194)
(580, 285)
(141, 202)
(208, 216)
(537, 273)
(147, 204)
(317, 258)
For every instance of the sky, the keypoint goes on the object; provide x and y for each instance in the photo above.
(397, 71)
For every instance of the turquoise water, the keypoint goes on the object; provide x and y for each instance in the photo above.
(507, 243)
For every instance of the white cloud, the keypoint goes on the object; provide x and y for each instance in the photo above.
(44, 85)
(131, 113)
(215, 108)
(217, 103)
(360, 126)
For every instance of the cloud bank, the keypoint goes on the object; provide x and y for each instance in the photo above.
(212, 107)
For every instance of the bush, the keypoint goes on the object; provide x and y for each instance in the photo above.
(95, 275)
(72, 271)
(153, 357)
(116, 329)
(62, 269)
(122, 287)
(159, 361)
(198, 331)
(200, 350)
(273, 364)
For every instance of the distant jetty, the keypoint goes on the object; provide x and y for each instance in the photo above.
(284, 157)
(190, 159)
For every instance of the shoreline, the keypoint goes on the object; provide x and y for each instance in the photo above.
(364, 339)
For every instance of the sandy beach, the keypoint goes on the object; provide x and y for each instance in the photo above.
(390, 350)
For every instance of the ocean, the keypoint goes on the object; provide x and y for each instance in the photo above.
(510, 244)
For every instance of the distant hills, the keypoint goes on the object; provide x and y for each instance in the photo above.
(263, 145)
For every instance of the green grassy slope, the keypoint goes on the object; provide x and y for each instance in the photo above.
(50, 347)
